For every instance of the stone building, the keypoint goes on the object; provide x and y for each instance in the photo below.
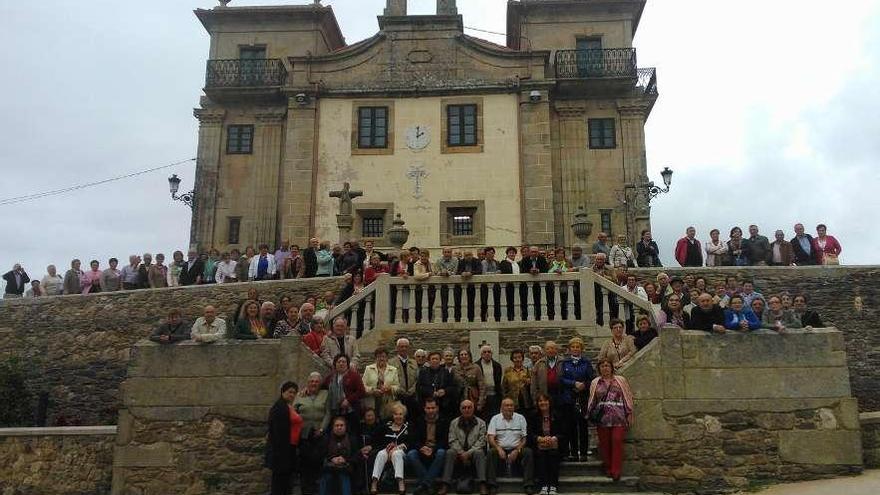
(473, 143)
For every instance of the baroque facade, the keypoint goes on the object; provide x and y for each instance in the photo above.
(472, 142)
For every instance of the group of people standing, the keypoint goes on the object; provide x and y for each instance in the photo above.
(448, 421)
(756, 250)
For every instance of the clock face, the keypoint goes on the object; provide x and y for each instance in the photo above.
(418, 137)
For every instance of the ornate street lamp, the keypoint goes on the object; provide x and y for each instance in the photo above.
(174, 186)
(582, 226)
(398, 234)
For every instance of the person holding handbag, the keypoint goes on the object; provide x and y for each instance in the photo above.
(610, 408)
(826, 246)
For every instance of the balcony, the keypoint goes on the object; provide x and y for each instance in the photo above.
(607, 63)
(244, 78)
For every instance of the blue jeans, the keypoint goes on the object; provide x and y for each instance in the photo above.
(416, 462)
(327, 483)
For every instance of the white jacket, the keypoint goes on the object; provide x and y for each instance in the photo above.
(255, 261)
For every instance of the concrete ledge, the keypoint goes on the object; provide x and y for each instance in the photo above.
(58, 431)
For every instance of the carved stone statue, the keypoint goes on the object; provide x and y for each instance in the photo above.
(345, 196)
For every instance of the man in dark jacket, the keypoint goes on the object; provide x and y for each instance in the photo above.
(310, 258)
(802, 246)
(435, 381)
(781, 253)
(759, 248)
(429, 449)
(492, 377)
(707, 316)
(468, 266)
(534, 264)
(192, 271)
(173, 330)
(16, 280)
(577, 373)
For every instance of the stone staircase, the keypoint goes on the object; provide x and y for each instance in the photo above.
(583, 477)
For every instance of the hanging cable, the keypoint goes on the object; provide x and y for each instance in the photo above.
(30, 197)
(485, 31)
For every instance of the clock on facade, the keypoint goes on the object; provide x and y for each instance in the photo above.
(418, 137)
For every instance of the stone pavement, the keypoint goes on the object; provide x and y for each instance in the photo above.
(867, 483)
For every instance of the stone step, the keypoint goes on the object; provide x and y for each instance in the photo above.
(572, 484)
(582, 468)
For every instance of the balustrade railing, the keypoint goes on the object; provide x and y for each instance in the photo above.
(494, 301)
(244, 73)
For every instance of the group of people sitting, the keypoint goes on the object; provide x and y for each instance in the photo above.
(447, 421)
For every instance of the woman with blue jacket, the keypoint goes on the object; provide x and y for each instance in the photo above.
(738, 317)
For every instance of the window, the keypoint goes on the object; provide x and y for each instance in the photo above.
(590, 57)
(371, 221)
(373, 127)
(252, 52)
(602, 134)
(462, 223)
(373, 226)
(605, 216)
(239, 139)
(233, 231)
(461, 125)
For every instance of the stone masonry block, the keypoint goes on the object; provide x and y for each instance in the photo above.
(154, 455)
(821, 447)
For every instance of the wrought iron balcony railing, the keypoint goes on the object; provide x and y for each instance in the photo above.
(245, 73)
(647, 82)
(604, 63)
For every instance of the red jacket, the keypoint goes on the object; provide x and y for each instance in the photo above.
(681, 250)
(371, 273)
(831, 247)
(352, 387)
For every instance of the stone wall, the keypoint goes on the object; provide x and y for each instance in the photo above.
(78, 346)
(734, 411)
(871, 438)
(194, 416)
(57, 461)
(847, 297)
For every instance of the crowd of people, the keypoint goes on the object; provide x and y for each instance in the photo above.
(452, 421)
(364, 264)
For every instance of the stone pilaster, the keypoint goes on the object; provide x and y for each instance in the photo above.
(446, 7)
(269, 136)
(299, 169)
(536, 171)
(207, 172)
(572, 166)
(395, 8)
(632, 130)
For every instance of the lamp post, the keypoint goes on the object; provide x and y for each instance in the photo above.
(581, 226)
(174, 186)
(651, 190)
(398, 234)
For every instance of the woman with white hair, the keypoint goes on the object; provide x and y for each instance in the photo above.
(391, 445)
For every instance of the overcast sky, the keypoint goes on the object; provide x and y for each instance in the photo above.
(768, 114)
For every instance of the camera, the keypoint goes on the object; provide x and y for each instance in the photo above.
(535, 96)
(302, 99)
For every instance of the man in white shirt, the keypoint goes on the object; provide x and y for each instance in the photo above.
(226, 270)
(632, 286)
(208, 328)
(507, 435)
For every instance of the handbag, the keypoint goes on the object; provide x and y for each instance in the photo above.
(596, 414)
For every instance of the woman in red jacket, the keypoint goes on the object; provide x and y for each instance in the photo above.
(345, 389)
(826, 246)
